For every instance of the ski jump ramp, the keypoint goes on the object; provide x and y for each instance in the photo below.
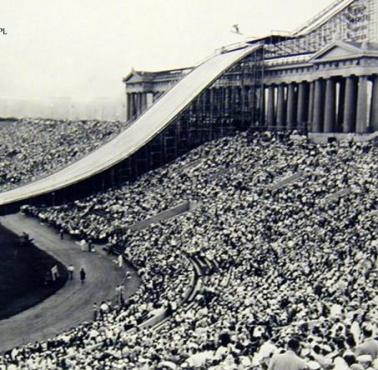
(139, 133)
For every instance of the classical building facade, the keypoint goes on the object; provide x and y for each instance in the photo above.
(144, 88)
(333, 90)
(321, 78)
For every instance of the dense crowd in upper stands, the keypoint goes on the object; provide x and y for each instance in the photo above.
(31, 148)
(289, 232)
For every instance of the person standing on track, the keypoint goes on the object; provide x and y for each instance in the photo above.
(104, 309)
(82, 275)
(120, 292)
(95, 311)
(120, 261)
(71, 271)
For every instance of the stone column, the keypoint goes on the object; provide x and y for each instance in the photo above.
(150, 99)
(362, 106)
(318, 106)
(141, 102)
(270, 119)
(261, 103)
(128, 107)
(281, 111)
(302, 108)
(133, 105)
(310, 112)
(330, 106)
(291, 106)
(137, 103)
(374, 105)
(144, 101)
(350, 105)
(341, 107)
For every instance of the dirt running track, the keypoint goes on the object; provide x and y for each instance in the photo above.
(73, 303)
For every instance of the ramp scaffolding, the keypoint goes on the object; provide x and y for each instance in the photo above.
(352, 21)
(231, 101)
(159, 135)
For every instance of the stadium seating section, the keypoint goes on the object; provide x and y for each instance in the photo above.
(282, 245)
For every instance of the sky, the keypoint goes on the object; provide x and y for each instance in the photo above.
(83, 48)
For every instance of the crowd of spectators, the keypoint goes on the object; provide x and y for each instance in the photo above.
(31, 148)
(294, 264)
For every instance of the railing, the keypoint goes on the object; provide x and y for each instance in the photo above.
(336, 196)
(162, 216)
(286, 181)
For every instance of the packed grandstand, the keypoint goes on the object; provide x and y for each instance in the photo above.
(278, 261)
(30, 148)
